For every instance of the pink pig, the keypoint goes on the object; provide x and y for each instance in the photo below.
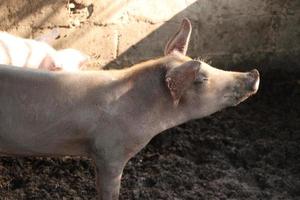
(38, 53)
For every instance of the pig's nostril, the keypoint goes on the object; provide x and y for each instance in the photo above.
(254, 73)
(253, 80)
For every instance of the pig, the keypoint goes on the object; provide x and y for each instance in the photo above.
(110, 115)
(38, 54)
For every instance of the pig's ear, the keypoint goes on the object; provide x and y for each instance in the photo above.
(180, 41)
(180, 78)
(48, 64)
(49, 37)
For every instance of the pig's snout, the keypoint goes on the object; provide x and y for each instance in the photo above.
(247, 85)
(252, 82)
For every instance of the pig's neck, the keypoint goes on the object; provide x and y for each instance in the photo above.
(147, 107)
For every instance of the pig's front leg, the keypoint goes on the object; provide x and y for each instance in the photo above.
(108, 180)
(109, 162)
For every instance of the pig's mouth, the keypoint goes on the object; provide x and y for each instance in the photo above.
(238, 97)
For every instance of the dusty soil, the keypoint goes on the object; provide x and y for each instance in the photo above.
(247, 152)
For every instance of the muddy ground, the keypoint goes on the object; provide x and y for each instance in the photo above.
(247, 152)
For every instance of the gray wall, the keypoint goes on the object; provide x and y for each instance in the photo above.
(229, 33)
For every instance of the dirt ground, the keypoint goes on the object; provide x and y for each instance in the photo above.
(251, 151)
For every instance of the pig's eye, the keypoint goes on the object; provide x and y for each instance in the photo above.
(201, 79)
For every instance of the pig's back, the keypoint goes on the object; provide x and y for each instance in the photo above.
(22, 52)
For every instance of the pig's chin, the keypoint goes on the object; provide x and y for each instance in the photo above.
(234, 100)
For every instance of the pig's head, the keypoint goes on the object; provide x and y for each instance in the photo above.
(65, 59)
(70, 59)
(199, 87)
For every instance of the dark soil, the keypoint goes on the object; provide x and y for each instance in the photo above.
(251, 151)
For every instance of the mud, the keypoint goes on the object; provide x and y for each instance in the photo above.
(251, 151)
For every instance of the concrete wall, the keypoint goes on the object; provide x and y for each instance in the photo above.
(237, 33)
